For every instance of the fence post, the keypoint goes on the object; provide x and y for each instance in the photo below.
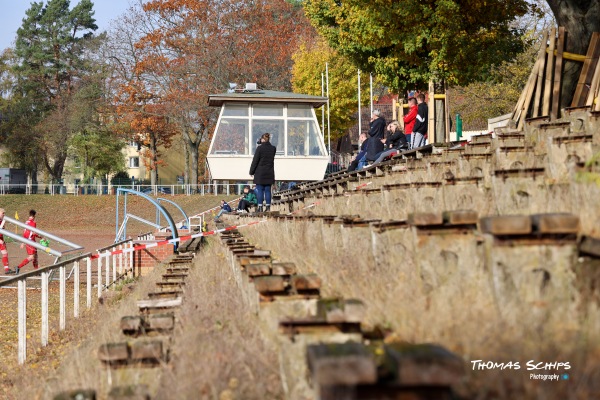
(131, 254)
(22, 311)
(99, 276)
(76, 289)
(114, 265)
(121, 259)
(107, 272)
(45, 308)
(63, 308)
(88, 286)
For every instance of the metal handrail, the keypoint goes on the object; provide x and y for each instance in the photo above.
(113, 245)
(43, 233)
(39, 271)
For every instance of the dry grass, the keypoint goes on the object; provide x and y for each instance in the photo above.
(219, 351)
(446, 290)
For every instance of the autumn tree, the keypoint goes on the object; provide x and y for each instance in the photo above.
(142, 120)
(309, 64)
(195, 48)
(411, 41)
(51, 58)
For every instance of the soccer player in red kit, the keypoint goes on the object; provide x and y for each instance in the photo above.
(3, 245)
(31, 251)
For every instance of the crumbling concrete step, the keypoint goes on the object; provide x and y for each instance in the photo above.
(340, 310)
(174, 277)
(179, 262)
(177, 270)
(191, 245)
(170, 286)
(80, 394)
(425, 219)
(283, 268)
(540, 224)
(167, 294)
(506, 225)
(590, 246)
(559, 223)
(460, 217)
(247, 259)
(132, 392)
(478, 139)
(159, 304)
(478, 148)
(401, 369)
(295, 326)
(144, 324)
(346, 364)
(138, 352)
(305, 282)
(254, 270)
(270, 284)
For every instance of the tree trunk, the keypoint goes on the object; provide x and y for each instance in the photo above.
(192, 143)
(580, 18)
(154, 163)
(186, 171)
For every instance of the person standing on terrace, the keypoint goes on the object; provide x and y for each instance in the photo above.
(419, 135)
(263, 171)
(410, 118)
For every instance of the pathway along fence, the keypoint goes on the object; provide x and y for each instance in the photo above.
(116, 260)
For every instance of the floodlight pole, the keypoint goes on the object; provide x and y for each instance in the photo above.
(371, 95)
(328, 127)
(323, 106)
(359, 111)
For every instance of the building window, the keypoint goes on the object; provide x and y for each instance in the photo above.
(134, 162)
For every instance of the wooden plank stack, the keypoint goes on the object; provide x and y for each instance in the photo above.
(542, 93)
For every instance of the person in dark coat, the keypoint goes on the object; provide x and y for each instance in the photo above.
(263, 170)
(376, 133)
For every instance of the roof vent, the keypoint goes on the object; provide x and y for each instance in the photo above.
(250, 86)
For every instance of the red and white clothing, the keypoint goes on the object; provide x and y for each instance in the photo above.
(27, 234)
(3, 248)
(31, 251)
(410, 119)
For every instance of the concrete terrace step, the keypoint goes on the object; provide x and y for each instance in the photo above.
(144, 324)
(159, 304)
(139, 352)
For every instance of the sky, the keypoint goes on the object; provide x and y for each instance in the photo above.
(12, 13)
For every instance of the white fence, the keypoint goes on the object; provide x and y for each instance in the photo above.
(99, 190)
(110, 267)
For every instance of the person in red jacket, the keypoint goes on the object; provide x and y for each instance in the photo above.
(31, 251)
(410, 118)
(3, 245)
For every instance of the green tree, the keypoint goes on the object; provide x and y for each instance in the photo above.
(51, 58)
(411, 41)
(309, 64)
(95, 144)
(16, 123)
